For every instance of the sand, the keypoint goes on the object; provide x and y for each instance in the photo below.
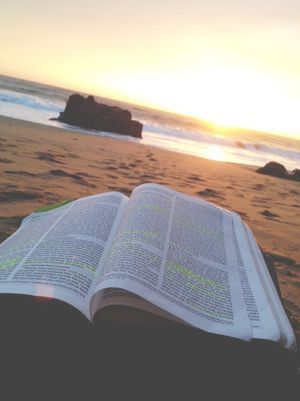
(41, 165)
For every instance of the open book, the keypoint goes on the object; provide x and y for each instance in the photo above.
(159, 251)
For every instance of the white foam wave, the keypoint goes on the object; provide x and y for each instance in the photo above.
(197, 143)
(158, 131)
(30, 101)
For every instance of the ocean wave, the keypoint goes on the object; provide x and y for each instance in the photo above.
(271, 150)
(190, 135)
(38, 103)
(258, 151)
(30, 101)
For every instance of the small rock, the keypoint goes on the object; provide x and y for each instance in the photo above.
(278, 170)
(275, 169)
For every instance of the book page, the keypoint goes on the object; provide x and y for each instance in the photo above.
(260, 313)
(119, 297)
(57, 253)
(287, 336)
(177, 253)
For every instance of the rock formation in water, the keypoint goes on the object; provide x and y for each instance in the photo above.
(278, 170)
(87, 113)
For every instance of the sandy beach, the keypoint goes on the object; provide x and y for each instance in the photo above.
(41, 165)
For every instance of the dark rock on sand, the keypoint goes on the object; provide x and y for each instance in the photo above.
(278, 170)
(275, 169)
(87, 113)
(295, 175)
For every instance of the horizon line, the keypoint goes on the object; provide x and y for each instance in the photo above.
(211, 125)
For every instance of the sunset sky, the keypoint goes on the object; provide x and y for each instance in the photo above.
(233, 62)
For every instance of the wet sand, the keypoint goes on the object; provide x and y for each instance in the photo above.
(41, 165)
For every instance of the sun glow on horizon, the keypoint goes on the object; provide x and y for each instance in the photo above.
(226, 95)
(215, 152)
(233, 63)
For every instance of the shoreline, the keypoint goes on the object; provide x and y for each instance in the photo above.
(118, 137)
(41, 166)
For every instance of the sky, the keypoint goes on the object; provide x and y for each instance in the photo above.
(235, 63)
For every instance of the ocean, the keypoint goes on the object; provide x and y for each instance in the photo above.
(35, 102)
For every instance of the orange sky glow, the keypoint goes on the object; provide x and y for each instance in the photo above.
(228, 62)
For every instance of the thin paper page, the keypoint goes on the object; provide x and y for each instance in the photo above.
(57, 253)
(258, 308)
(175, 252)
(288, 339)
